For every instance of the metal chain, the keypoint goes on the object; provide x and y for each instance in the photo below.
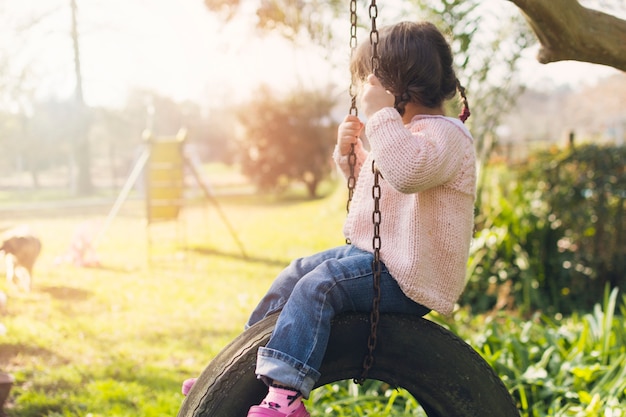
(353, 109)
(353, 44)
(372, 340)
(373, 12)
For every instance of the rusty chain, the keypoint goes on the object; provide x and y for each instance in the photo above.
(353, 108)
(373, 13)
(372, 340)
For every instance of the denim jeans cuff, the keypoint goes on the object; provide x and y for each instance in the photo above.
(286, 370)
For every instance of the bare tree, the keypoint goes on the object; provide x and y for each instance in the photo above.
(18, 82)
(81, 142)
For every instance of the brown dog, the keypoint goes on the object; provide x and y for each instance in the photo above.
(20, 249)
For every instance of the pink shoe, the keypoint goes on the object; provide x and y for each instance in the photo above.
(258, 411)
(187, 385)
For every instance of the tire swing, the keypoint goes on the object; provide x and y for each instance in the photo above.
(443, 373)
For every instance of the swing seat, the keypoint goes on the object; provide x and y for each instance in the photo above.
(444, 374)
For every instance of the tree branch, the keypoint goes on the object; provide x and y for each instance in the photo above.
(569, 31)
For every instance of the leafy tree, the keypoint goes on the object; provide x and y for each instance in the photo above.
(487, 60)
(315, 18)
(488, 64)
(287, 139)
(559, 33)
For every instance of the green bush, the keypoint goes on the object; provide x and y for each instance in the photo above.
(573, 366)
(552, 233)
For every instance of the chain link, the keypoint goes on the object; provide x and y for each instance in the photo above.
(376, 218)
(373, 13)
(372, 340)
(353, 44)
(353, 108)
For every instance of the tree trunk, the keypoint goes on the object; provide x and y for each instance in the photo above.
(82, 152)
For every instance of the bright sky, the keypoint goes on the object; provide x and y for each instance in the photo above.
(176, 48)
(179, 49)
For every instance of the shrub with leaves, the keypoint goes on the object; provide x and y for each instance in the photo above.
(287, 139)
(573, 366)
(585, 192)
(552, 233)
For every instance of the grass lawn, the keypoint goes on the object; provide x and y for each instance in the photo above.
(118, 340)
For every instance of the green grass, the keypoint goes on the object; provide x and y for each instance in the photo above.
(565, 366)
(118, 340)
(556, 366)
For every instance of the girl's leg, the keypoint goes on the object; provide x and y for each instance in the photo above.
(297, 346)
(280, 290)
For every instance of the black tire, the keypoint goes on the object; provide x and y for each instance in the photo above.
(444, 374)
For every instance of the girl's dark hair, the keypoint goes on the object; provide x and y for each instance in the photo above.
(415, 64)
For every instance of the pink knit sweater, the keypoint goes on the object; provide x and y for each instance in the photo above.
(427, 203)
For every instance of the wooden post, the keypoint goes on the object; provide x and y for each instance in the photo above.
(6, 383)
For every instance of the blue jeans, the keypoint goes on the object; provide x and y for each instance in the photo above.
(308, 294)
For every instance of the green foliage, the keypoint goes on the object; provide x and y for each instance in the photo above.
(287, 139)
(553, 367)
(585, 193)
(557, 367)
(487, 60)
(551, 233)
(372, 399)
(313, 17)
(119, 340)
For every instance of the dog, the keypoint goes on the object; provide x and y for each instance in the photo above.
(21, 249)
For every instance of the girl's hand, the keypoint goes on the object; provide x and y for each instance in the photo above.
(375, 97)
(348, 133)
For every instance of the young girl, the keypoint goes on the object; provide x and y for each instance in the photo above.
(427, 167)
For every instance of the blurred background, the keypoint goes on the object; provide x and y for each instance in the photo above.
(80, 80)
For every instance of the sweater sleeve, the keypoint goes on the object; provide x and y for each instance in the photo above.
(426, 154)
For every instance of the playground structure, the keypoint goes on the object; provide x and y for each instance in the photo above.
(165, 177)
(165, 163)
